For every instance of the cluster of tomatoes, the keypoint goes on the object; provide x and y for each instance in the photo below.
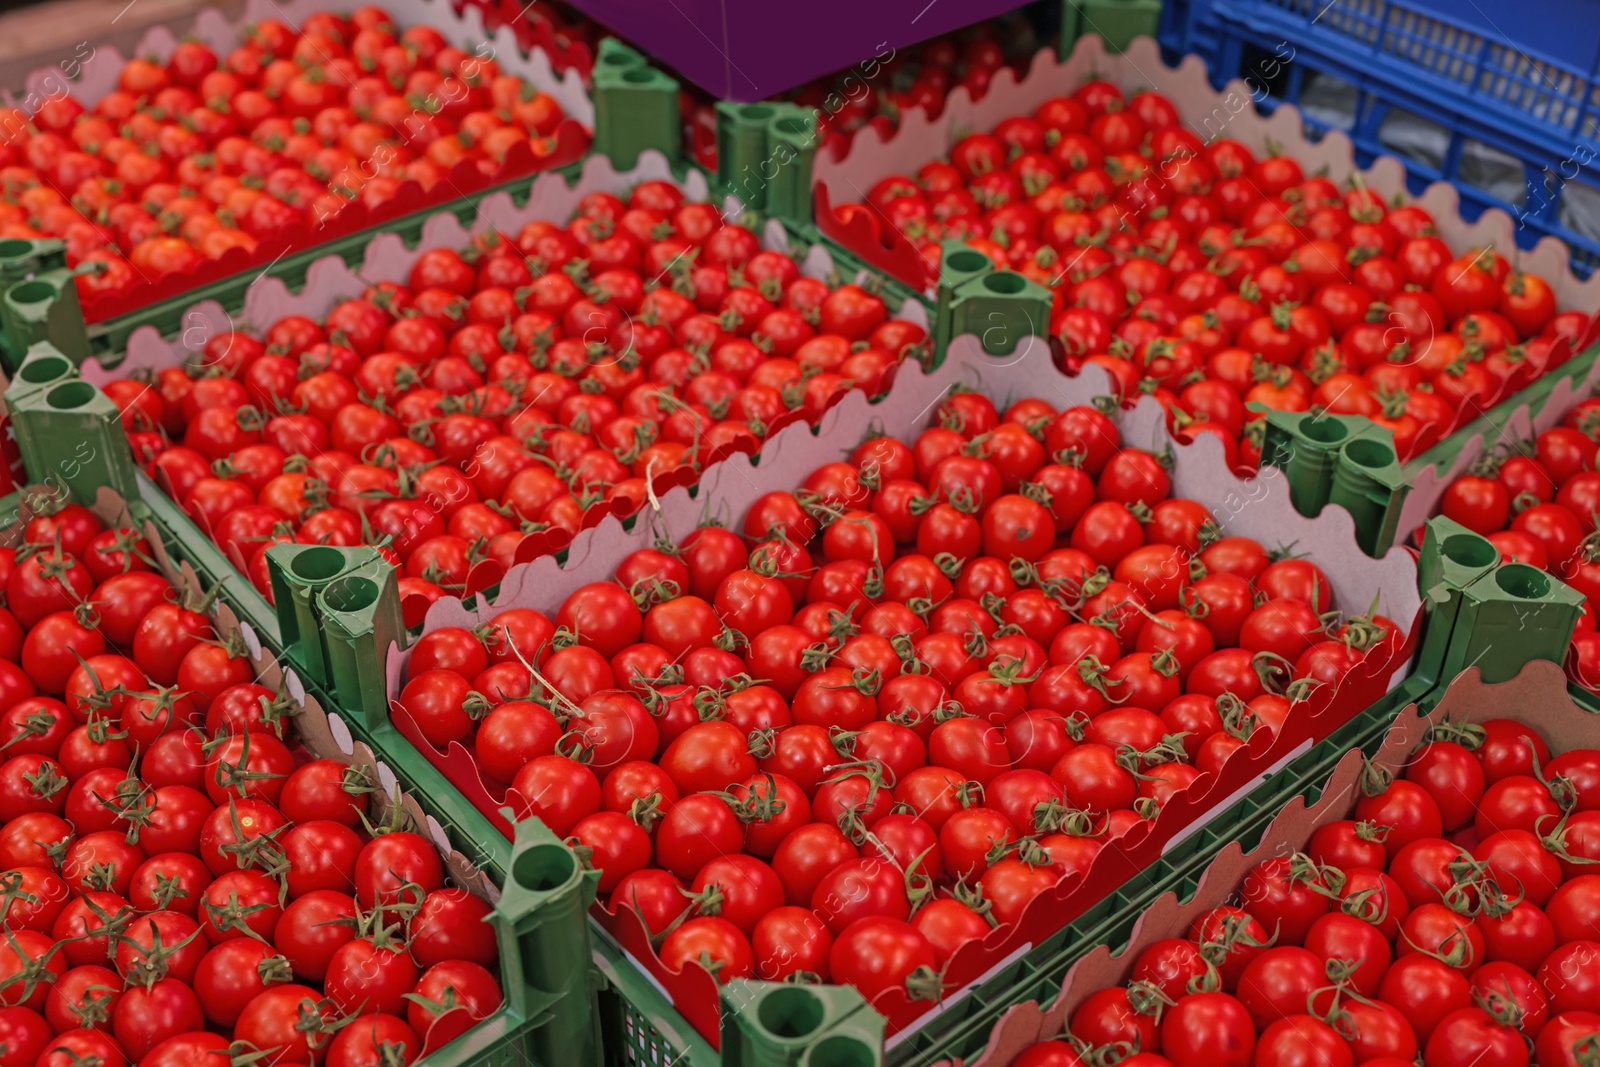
(176, 875)
(188, 159)
(1539, 505)
(912, 696)
(1452, 920)
(1215, 280)
(508, 391)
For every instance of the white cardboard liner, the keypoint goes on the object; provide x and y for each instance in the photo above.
(1536, 697)
(98, 74)
(1259, 508)
(1212, 114)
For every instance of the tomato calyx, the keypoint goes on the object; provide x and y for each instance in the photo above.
(32, 725)
(47, 781)
(1555, 842)
(731, 640)
(235, 777)
(1374, 778)
(1007, 670)
(971, 897)
(151, 963)
(33, 970)
(1501, 1007)
(260, 851)
(1275, 672)
(1234, 935)
(866, 681)
(1095, 675)
(127, 542)
(233, 914)
(1455, 951)
(1562, 791)
(1053, 817)
(1370, 905)
(1491, 900)
(756, 806)
(1468, 735)
(313, 1020)
(1146, 998)
(92, 1010)
(275, 710)
(1237, 718)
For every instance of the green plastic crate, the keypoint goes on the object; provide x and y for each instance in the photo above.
(641, 1028)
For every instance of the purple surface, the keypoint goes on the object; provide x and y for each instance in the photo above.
(754, 49)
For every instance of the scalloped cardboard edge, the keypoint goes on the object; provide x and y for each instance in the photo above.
(1536, 697)
(1260, 509)
(874, 153)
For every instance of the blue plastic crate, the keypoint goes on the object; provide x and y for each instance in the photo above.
(1500, 98)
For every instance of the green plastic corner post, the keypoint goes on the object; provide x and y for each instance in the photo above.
(297, 572)
(742, 167)
(43, 366)
(1117, 22)
(791, 150)
(959, 263)
(1510, 616)
(70, 435)
(39, 304)
(1369, 482)
(1305, 446)
(635, 107)
(778, 1024)
(542, 924)
(1001, 308)
(1451, 559)
(360, 616)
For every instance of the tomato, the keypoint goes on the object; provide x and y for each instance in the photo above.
(286, 1017)
(857, 889)
(1471, 1035)
(74, 1045)
(1425, 991)
(1454, 778)
(710, 942)
(327, 790)
(876, 954)
(232, 973)
(1207, 1028)
(145, 1016)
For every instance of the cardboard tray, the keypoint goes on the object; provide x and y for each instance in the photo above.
(846, 172)
(99, 71)
(1536, 697)
(1259, 508)
(389, 258)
